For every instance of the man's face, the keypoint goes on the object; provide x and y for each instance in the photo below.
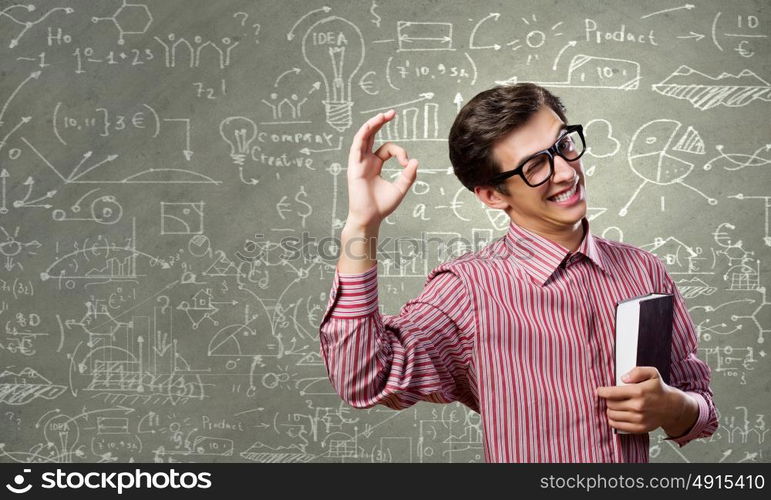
(528, 206)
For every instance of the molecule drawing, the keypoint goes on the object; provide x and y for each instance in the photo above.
(130, 19)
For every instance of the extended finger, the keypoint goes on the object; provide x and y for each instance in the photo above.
(360, 139)
(618, 392)
(365, 136)
(626, 426)
(369, 142)
(632, 404)
(388, 115)
(625, 416)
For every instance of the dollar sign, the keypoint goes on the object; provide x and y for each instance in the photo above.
(377, 18)
(298, 200)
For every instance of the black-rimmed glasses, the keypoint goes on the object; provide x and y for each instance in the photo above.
(539, 167)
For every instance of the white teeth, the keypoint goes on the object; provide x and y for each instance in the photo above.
(566, 195)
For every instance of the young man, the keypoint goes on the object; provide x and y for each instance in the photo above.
(520, 331)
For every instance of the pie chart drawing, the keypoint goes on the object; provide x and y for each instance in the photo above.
(650, 156)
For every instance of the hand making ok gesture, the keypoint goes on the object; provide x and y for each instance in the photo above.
(370, 197)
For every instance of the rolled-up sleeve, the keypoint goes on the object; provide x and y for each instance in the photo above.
(688, 373)
(421, 354)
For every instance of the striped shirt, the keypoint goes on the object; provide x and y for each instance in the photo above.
(522, 332)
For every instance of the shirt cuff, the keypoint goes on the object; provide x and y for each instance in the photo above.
(698, 426)
(357, 294)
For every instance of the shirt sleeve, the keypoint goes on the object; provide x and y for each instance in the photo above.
(421, 354)
(688, 373)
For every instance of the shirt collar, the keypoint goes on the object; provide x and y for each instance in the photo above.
(540, 257)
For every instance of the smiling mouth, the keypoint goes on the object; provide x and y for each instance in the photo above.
(565, 195)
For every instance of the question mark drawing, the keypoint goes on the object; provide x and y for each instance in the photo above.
(243, 21)
(244, 16)
(166, 302)
(256, 31)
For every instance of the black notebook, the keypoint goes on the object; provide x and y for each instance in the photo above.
(643, 335)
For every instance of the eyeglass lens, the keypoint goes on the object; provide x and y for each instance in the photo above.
(538, 168)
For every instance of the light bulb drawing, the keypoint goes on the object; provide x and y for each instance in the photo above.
(334, 47)
(238, 132)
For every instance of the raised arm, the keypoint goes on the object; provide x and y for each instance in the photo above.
(370, 197)
(422, 353)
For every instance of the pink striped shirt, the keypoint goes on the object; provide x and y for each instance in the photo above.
(521, 332)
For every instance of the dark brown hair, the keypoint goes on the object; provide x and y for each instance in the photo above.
(488, 118)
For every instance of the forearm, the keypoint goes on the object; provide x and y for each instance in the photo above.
(354, 359)
(422, 353)
(684, 414)
(358, 252)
